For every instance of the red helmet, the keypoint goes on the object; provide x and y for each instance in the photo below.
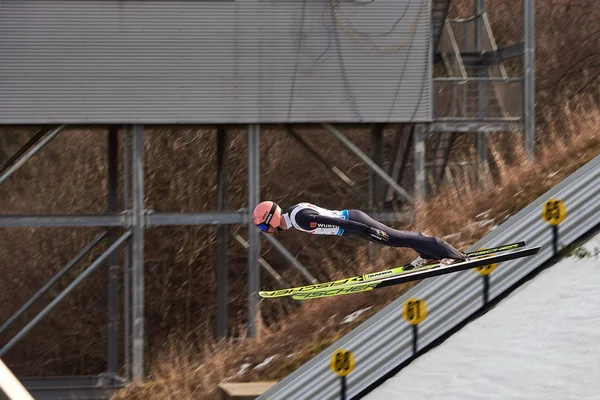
(266, 214)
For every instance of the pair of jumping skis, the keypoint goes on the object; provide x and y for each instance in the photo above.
(398, 275)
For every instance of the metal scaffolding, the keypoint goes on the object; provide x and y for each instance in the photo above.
(477, 96)
(125, 225)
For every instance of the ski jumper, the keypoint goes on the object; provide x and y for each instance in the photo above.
(316, 220)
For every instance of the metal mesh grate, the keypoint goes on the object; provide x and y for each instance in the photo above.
(478, 99)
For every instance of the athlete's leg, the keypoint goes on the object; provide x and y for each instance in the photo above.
(429, 247)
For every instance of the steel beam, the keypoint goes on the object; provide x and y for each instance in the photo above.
(369, 162)
(330, 167)
(486, 58)
(205, 218)
(253, 237)
(420, 134)
(33, 140)
(100, 220)
(99, 261)
(127, 256)
(113, 259)
(460, 80)
(270, 270)
(375, 182)
(53, 280)
(473, 126)
(529, 76)
(480, 9)
(30, 153)
(221, 256)
(288, 256)
(138, 225)
(442, 153)
(515, 50)
(482, 151)
(403, 143)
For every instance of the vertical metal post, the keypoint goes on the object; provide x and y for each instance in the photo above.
(253, 238)
(482, 152)
(420, 134)
(529, 78)
(137, 278)
(481, 7)
(113, 259)
(127, 149)
(375, 182)
(221, 262)
(401, 156)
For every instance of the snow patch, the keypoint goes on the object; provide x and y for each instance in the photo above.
(484, 214)
(265, 363)
(243, 369)
(538, 343)
(485, 222)
(354, 315)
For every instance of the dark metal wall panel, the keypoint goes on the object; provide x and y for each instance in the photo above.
(214, 61)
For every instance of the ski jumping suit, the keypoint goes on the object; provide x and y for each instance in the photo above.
(320, 221)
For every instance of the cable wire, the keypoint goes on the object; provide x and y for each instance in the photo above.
(298, 49)
(362, 37)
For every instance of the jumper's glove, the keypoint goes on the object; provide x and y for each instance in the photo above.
(377, 235)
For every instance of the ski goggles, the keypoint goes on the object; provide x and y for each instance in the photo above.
(264, 226)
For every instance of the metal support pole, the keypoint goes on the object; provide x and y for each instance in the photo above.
(138, 224)
(113, 260)
(127, 148)
(481, 7)
(375, 182)
(30, 153)
(420, 134)
(288, 256)
(529, 78)
(401, 157)
(101, 220)
(270, 270)
(482, 153)
(253, 238)
(203, 218)
(34, 139)
(330, 167)
(65, 292)
(53, 280)
(369, 163)
(221, 262)
(442, 155)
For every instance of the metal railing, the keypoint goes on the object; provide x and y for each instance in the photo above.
(383, 343)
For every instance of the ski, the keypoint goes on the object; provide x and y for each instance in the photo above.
(413, 275)
(380, 274)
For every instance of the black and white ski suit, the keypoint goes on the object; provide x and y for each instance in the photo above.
(317, 220)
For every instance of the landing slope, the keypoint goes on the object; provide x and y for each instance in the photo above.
(541, 342)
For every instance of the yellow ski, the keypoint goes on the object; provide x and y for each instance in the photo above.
(376, 275)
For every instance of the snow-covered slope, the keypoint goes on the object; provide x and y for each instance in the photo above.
(541, 342)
